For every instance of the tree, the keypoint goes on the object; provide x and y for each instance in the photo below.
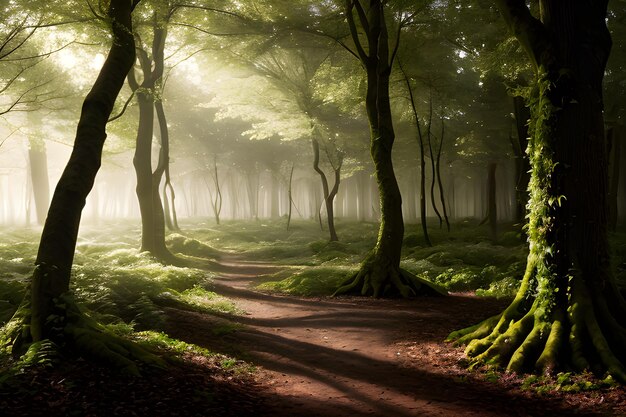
(380, 272)
(568, 311)
(48, 310)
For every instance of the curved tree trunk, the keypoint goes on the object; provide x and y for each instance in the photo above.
(380, 273)
(568, 312)
(442, 196)
(422, 158)
(328, 198)
(433, 171)
(50, 312)
(150, 205)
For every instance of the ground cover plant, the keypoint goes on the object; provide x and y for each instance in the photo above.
(137, 298)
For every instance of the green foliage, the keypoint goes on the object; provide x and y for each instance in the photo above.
(566, 382)
(309, 281)
(193, 247)
(207, 301)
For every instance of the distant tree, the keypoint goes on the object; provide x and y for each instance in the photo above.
(568, 312)
(49, 311)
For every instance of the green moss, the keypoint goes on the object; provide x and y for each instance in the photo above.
(310, 281)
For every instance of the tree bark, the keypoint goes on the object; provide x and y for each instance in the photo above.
(442, 196)
(615, 151)
(50, 312)
(522, 166)
(568, 312)
(329, 195)
(148, 182)
(420, 138)
(380, 273)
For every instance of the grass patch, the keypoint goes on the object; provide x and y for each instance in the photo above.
(308, 281)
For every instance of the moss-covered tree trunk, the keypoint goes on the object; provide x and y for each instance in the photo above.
(568, 313)
(380, 273)
(522, 167)
(48, 311)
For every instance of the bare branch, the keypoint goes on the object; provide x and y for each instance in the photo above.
(121, 113)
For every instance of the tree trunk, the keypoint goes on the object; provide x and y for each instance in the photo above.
(169, 209)
(143, 171)
(433, 171)
(420, 138)
(38, 164)
(380, 273)
(290, 197)
(522, 165)
(568, 312)
(328, 196)
(150, 205)
(442, 196)
(492, 205)
(615, 151)
(50, 312)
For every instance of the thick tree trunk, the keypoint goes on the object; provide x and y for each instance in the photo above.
(522, 166)
(568, 312)
(615, 151)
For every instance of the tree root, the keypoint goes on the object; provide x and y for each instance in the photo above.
(377, 277)
(573, 334)
(75, 332)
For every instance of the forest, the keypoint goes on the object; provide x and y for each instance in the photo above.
(314, 208)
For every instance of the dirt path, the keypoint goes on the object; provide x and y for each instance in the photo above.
(358, 357)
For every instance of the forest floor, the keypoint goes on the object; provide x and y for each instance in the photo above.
(351, 356)
(251, 331)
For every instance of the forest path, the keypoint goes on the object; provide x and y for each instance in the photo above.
(353, 356)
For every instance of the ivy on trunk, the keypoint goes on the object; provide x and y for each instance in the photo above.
(568, 313)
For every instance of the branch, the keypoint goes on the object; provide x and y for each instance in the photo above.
(121, 113)
(528, 30)
(213, 33)
(362, 17)
(354, 33)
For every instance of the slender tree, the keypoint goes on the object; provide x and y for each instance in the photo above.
(568, 312)
(48, 310)
(380, 272)
(420, 141)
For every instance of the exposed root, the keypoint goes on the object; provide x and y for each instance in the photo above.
(377, 277)
(546, 338)
(72, 330)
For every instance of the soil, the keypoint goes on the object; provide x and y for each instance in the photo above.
(352, 356)
(344, 356)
